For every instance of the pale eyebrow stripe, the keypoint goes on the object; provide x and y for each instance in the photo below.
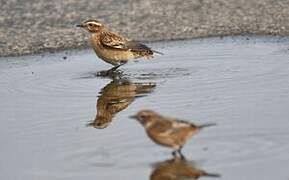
(98, 24)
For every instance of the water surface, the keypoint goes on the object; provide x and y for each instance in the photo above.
(60, 121)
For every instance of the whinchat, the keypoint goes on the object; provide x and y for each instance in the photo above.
(113, 48)
(166, 131)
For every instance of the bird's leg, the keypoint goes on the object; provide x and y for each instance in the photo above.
(180, 152)
(113, 69)
(182, 156)
(110, 71)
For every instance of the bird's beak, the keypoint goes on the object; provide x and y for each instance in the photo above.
(133, 117)
(80, 25)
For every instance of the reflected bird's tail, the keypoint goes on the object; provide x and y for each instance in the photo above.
(215, 175)
(207, 125)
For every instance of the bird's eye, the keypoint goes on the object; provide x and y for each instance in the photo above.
(89, 25)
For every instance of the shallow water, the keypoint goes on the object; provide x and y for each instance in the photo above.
(49, 108)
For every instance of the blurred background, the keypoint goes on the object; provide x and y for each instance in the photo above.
(30, 26)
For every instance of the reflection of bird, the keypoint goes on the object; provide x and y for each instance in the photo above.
(167, 131)
(178, 168)
(113, 48)
(115, 97)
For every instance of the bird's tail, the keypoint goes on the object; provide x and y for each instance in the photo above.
(206, 125)
(158, 52)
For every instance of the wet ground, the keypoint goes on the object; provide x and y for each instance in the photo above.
(60, 121)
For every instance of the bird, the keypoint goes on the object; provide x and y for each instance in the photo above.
(178, 168)
(167, 131)
(113, 48)
(117, 96)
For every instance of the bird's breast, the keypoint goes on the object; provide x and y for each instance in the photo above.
(110, 55)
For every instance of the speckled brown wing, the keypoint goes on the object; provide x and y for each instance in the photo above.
(139, 49)
(112, 40)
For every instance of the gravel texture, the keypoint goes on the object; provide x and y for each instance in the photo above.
(33, 26)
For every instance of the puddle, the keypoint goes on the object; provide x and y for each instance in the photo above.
(60, 121)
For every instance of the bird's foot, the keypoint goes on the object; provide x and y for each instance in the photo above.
(176, 153)
(116, 74)
(102, 73)
(113, 72)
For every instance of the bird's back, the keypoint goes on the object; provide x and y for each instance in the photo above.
(170, 132)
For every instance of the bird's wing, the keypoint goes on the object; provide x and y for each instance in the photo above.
(136, 46)
(161, 126)
(112, 40)
(175, 127)
(182, 123)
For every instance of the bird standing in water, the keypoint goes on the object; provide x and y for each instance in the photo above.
(166, 131)
(112, 48)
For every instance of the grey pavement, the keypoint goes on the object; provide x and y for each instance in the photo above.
(34, 26)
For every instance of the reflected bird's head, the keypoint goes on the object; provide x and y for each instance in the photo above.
(100, 122)
(91, 25)
(145, 117)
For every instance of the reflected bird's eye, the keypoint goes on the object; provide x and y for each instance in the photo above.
(99, 124)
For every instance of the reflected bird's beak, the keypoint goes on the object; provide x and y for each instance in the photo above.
(133, 117)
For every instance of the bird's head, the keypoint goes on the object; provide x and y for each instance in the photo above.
(145, 117)
(91, 25)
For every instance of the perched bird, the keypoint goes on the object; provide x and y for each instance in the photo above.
(113, 48)
(178, 168)
(115, 97)
(166, 131)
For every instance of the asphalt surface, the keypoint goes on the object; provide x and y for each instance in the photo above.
(33, 26)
